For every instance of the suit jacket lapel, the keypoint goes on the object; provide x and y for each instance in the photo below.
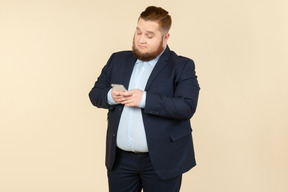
(163, 61)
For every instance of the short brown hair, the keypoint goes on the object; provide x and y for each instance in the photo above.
(159, 15)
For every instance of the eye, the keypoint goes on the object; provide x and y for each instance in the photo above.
(150, 35)
(138, 32)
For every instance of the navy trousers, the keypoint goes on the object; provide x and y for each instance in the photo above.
(133, 172)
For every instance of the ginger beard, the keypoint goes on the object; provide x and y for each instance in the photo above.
(147, 56)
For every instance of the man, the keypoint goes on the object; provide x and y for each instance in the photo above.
(149, 143)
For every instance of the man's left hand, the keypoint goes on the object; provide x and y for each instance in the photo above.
(132, 98)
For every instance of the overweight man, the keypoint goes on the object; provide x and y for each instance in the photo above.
(151, 94)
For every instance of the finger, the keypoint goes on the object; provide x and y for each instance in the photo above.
(126, 93)
(123, 100)
(129, 103)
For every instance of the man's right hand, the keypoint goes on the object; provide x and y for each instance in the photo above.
(117, 96)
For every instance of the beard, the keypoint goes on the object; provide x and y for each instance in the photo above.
(149, 55)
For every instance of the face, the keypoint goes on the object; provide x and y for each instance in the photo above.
(148, 40)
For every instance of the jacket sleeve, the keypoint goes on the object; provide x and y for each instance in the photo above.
(98, 94)
(183, 103)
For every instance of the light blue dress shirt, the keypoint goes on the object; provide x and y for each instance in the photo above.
(131, 134)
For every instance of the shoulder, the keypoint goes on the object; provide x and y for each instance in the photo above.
(179, 60)
(183, 67)
(121, 57)
(122, 54)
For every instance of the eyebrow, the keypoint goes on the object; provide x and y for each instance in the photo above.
(149, 32)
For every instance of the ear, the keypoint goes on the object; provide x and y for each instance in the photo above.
(165, 38)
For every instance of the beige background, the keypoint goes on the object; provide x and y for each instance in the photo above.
(51, 52)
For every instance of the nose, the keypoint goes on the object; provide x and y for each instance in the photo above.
(142, 39)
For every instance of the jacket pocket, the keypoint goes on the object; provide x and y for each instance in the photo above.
(178, 134)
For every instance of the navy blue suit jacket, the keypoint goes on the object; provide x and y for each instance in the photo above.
(172, 95)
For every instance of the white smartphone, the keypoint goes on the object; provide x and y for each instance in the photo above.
(118, 87)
